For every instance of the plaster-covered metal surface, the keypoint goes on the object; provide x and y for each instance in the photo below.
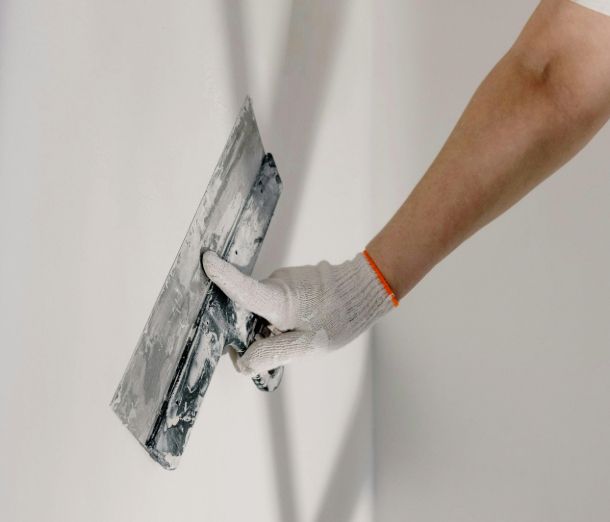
(192, 321)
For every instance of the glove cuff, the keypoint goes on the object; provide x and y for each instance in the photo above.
(382, 279)
(363, 300)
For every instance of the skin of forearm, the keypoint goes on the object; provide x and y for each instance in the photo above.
(535, 110)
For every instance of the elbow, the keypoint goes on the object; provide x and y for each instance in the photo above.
(567, 70)
(570, 97)
(567, 105)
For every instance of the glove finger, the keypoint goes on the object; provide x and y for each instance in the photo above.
(267, 300)
(271, 352)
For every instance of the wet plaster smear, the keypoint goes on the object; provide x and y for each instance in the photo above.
(193, 321)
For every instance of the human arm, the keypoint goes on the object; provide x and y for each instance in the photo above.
(541, 103)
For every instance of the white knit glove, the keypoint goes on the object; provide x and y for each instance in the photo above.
(317, 308)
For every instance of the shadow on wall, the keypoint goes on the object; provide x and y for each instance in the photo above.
(3, 24)
(350, 471)
(297, 99)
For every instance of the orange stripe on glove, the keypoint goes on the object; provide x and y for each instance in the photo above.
(382, 279)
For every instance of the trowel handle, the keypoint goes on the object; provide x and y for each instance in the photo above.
(269, 380)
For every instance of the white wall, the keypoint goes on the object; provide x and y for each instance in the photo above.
(112, 116)
(491, 380)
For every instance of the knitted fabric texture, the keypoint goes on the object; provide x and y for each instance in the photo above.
(319, 307)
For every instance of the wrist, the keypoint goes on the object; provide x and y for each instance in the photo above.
(387, 264)
(380, 277)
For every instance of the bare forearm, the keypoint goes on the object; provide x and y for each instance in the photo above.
(535, 110)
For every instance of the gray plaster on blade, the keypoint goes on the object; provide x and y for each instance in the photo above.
(192, 321)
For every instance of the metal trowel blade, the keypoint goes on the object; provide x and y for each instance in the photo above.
(192, 321)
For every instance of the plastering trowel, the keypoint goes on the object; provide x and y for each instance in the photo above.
(193, 322)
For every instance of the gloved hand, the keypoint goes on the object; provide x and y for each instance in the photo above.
(318, 307)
